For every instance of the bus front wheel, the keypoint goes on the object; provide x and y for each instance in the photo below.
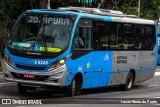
(75, 88)
(129, 82)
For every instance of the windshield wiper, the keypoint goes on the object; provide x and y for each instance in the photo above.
(45, 40)
(43, 28)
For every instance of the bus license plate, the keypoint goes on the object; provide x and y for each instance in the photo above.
(29, 76)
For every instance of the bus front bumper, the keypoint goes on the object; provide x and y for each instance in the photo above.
(56, 77)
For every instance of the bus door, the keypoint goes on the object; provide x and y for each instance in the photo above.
(82, 54)
(102, 56)
(146, 50)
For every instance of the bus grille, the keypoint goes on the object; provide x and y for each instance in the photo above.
(30, 67)
(37, 77)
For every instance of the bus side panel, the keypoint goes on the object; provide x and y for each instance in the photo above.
(95, 68)
(141, 61)
(103, 65)
(83, 63)
(146, 65)
(127, 60)
(115, 75)
(91, 80)
(146, 59)
(142, 75)
(69, 75)
(124, 60)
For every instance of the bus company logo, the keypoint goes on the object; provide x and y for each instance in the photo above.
(31, 62)
(120, 59)
(134, 57)
(106, 57)
(88, 65)
(115, 59)
(32, 53)
(80, 68)
(6, 101)
(20, 102)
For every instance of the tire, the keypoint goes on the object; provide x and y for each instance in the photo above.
(22, 89)
(75, 88)
(129, 82)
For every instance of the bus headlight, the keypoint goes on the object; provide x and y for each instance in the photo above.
(8, 60)
(57, 64)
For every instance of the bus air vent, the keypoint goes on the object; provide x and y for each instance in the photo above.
(30, 67)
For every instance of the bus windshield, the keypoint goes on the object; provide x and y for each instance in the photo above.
(42, 33)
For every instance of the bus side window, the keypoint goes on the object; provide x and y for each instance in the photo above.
(113, 36)
(149, 38)
(104, 37)
(75, 42)
(100, 35)
(128, 37)
(82, 39)
(139, 34)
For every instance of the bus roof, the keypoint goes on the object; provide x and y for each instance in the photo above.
(116, 16)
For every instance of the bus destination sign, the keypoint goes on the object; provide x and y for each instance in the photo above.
(48, 20)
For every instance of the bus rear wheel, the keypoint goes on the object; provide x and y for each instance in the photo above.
(129, 82)
(75, 88)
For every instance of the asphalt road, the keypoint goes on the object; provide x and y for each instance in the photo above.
(148, 89)
(92, 97)
(110, 95)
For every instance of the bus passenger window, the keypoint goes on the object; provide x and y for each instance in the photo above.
(100, 35)
(104, 37)
(139, 34)
(114, 36)
(113, 42)
(104, 42)
(82, 39)
(128, 38)
(149, 38)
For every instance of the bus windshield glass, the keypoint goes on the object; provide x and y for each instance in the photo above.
(42, 33)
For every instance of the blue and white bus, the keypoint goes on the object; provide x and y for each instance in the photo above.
(80, 48)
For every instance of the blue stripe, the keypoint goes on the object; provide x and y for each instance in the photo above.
(105, 18)
(54, 11)
(143, 69)
(156, 54)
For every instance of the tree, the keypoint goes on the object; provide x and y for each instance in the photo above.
(149, 8)
(44, 4)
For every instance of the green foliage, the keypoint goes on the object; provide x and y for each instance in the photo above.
(11, 9)
(149, 8)
(9, 12)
